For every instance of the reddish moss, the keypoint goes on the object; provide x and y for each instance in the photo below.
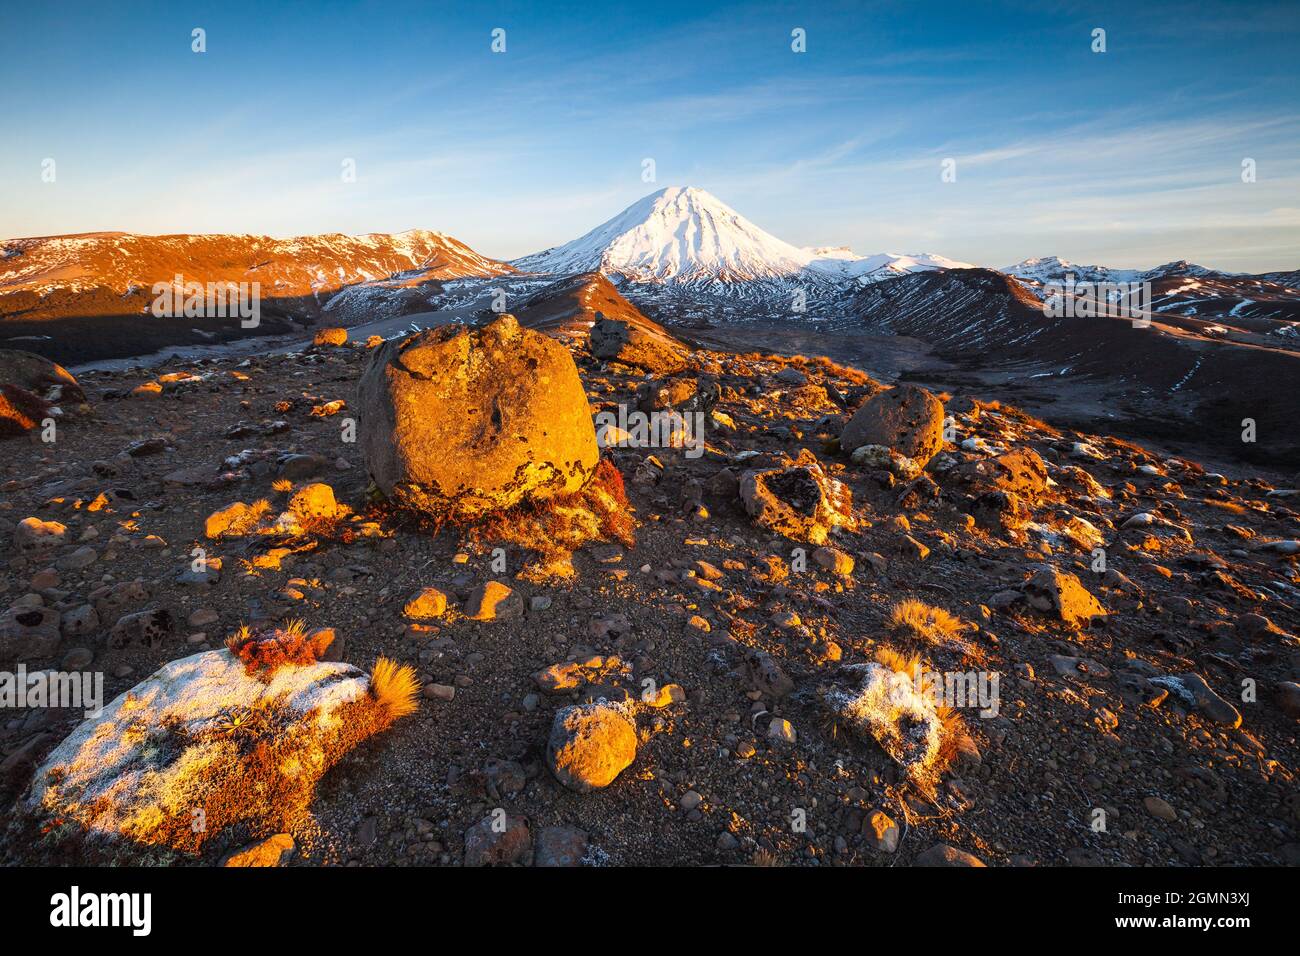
(264, 652)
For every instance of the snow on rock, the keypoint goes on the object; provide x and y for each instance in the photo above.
(845, 264)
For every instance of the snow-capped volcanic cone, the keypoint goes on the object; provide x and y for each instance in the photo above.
(683, 235)
(677, 235)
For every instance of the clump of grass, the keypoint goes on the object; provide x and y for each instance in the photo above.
(282, 485)
(831, 367)
(924, 622)
(395, 687)
(898, 662)
(266, 651)
(932, 626)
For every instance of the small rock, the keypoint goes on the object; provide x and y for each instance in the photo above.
(838, 562)
(426, 604)
(269, 852)
(83, 557)
(498, 840)
(1160, 809)
(439, 691)
(560, 846)
(941, 854)
(781, 731)
(494, 601)
(881, 831)
(590, 745)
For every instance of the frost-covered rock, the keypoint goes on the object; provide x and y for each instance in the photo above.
(205, 738)
(887, 706)
(879, 456)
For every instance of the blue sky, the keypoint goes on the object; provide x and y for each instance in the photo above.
(1128, 158)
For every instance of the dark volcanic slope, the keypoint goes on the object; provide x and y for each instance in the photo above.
(568, 307)
(1175, 380)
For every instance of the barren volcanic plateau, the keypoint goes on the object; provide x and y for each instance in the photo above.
(674, 544)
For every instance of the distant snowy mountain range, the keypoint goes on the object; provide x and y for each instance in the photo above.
(680, 253)
(1055, 269)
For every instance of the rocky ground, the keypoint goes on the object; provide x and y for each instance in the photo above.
(1139, 612)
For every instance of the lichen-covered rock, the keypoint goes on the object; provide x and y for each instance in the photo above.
(204, 736)
(1020, 471)
(801, 502)
(28, 632)
(590, 745)
(906, 418)
(460, 422)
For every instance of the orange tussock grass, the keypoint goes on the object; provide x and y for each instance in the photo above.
(395, 687)
(924, 622)
(831, 367)
(932, 626)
